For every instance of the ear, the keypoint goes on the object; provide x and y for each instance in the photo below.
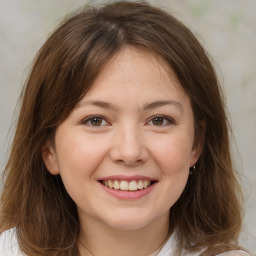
(198, 144)
(49, 158)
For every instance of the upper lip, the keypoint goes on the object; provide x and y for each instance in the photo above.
(127, 178)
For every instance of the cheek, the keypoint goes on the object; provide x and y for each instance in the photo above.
(173, 160)
(173, 153)
(78, 156)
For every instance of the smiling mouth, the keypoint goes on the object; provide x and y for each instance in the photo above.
(127, 185)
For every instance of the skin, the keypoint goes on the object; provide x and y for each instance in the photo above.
(129, 141)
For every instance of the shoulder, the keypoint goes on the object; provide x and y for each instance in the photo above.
(237, 253)
(229, 253)
(8, 244)
(170, 248)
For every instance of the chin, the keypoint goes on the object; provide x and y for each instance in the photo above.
(128, 225)
(130, 221)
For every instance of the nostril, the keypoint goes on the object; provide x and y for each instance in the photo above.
(130, 162)
(128, 151)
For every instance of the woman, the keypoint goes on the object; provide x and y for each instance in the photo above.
(122, 144)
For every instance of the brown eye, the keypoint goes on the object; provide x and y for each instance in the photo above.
(158, 121)
(161, 121)
(96, 121)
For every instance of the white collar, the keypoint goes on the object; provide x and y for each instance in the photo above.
(170, 247)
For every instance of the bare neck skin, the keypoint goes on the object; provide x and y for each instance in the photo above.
(102, 240)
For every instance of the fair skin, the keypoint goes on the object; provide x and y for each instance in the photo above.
(133, 130)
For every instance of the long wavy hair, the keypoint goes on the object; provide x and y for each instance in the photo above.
(207, 214)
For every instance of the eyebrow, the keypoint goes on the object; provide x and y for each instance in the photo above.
(149, 106)
(97, 103)
(157, 104)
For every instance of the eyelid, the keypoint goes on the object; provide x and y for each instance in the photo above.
(170, 120)
(88, 118)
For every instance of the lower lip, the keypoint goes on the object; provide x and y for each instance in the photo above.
(128, 195)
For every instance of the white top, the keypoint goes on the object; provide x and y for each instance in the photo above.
(9, 247)
(171, 246)
(8, 244)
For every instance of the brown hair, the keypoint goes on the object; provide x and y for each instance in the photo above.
(208, 213)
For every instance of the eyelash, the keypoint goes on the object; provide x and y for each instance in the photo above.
(166, 120)
(90, 118)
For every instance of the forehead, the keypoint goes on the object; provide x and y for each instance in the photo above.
(134, 70)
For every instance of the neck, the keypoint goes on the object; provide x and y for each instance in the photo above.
(99, 239)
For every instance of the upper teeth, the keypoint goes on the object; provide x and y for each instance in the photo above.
(127, 185)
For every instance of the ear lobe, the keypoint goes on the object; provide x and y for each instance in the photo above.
(49, 159)
(195, 154)
(198, 145)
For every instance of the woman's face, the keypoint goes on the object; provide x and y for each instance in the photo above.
(125, 150)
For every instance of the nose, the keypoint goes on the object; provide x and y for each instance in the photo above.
(128, 147)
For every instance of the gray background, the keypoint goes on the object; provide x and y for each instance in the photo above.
(226, 28)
